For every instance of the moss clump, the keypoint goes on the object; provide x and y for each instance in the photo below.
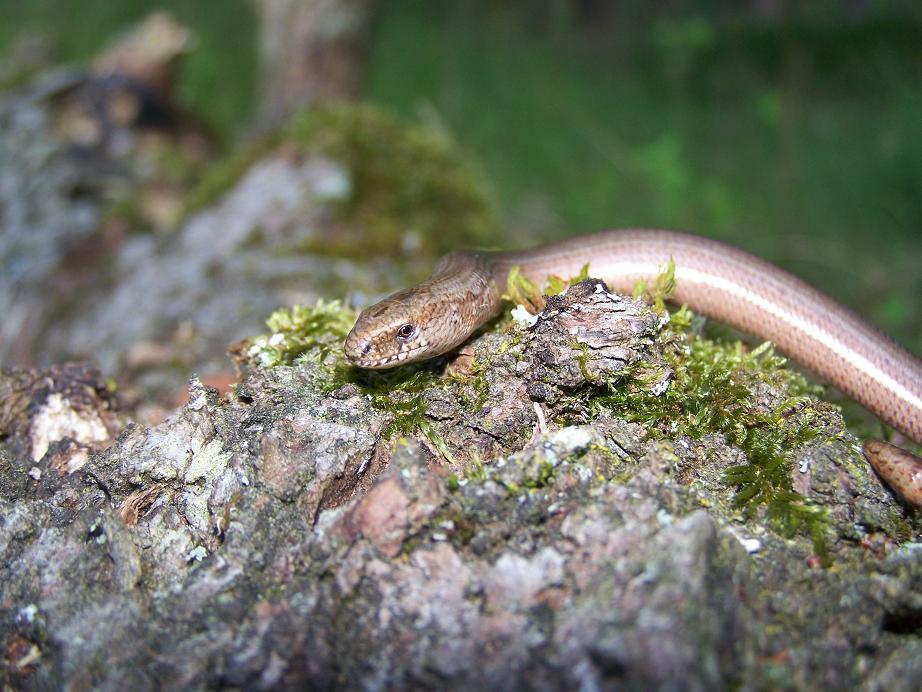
(521, 291)
(410, 185)
(472, 388)
(474, 470)
(662, 289)
(713, 390)
(543, 478)
(300, 332)
(533, 478)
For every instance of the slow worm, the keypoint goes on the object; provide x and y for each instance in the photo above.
(713, 278)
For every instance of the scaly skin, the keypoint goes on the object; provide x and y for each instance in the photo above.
(713, 278)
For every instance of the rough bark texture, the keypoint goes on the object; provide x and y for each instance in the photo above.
(312, 51)
(279, 539)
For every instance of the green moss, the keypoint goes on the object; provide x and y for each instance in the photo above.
(543, 478)
(472, 387)
(513, 489)
(404, 177)
(474, 470)
(662, 289)
(312, 333)
(408, 182)
(557, 285)
(427, 429)
(713, 389)
(522, 291)
(614, 462)
(582, 359)
(462, 528)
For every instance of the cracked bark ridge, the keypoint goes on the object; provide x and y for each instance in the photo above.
(276, 539)
(587, 335)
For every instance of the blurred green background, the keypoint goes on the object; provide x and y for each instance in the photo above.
(799, 139)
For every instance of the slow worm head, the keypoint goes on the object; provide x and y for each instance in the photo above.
(429, 319)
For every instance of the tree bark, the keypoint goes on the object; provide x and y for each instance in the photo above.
(311, 51)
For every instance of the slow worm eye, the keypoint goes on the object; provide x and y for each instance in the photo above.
(406, 332)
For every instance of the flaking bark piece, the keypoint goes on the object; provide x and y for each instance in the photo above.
(588, 335)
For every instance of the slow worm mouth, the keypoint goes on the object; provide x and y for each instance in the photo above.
(376, 364)
(392, 361)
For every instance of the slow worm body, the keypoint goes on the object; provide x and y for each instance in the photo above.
(713, 278)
